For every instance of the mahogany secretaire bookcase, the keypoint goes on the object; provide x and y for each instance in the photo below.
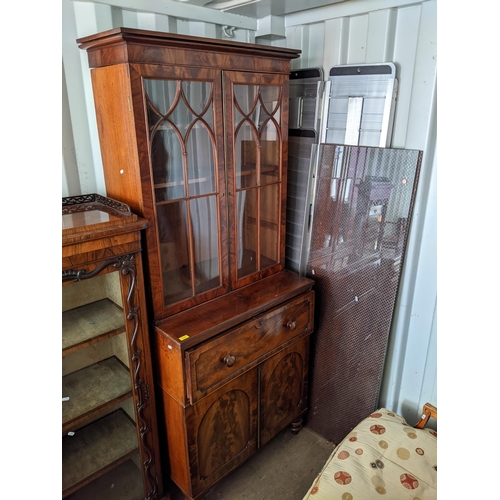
(194, 137)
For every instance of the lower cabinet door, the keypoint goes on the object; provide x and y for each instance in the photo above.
(283, 386)
(222, 430)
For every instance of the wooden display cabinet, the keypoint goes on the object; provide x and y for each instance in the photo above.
(194, 137)
(110, 442)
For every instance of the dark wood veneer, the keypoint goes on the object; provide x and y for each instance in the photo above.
(141, 46)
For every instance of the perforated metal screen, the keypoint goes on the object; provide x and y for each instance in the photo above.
(361, 217)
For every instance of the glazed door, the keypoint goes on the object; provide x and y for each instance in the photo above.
(222, 430)
(256, 138)
(283, 389)
(188, 244)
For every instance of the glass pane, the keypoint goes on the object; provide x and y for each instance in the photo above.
(206, 242)
(247, 100)
(198, 97)
(257, 164)
(246, 245)
(161, 96)
(181, 117)
(246, 156)
(269, 97)
(270, 154)
(181, 126)
(269, 225)
(166, 159)
(201, 161)
(184, 163)
(269, 134)
(174, 251)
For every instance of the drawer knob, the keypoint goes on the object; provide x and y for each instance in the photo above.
(291, 325)
(229, 360)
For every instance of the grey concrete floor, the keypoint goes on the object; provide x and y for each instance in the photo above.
(283, 469)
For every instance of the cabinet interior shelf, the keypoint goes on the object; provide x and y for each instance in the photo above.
(90, 323)
(96, 449)
(162, 185)
(123, 482)
(250, 168)
(92, 389)
(182, 127)
(263, 223)
(264, 170)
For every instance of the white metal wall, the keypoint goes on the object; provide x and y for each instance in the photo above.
(360, 31)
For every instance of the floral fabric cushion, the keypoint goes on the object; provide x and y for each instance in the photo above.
(382, 457)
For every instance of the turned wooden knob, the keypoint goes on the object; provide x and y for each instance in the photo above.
(229, 360)
(292, 325)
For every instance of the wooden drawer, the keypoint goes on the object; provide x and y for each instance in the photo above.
(218, 360)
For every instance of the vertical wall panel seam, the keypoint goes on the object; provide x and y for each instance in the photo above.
(406, 75)
(391, 34)
(346, 28)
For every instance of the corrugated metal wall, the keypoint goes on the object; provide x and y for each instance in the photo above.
(364, 31)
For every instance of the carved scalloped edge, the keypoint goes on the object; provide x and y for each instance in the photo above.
(81, 203)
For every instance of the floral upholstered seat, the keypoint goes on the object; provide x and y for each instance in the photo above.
(382, 457)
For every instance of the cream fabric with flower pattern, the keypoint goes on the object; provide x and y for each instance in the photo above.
(383, 457)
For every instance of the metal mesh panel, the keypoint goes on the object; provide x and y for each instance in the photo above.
(362, 209)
